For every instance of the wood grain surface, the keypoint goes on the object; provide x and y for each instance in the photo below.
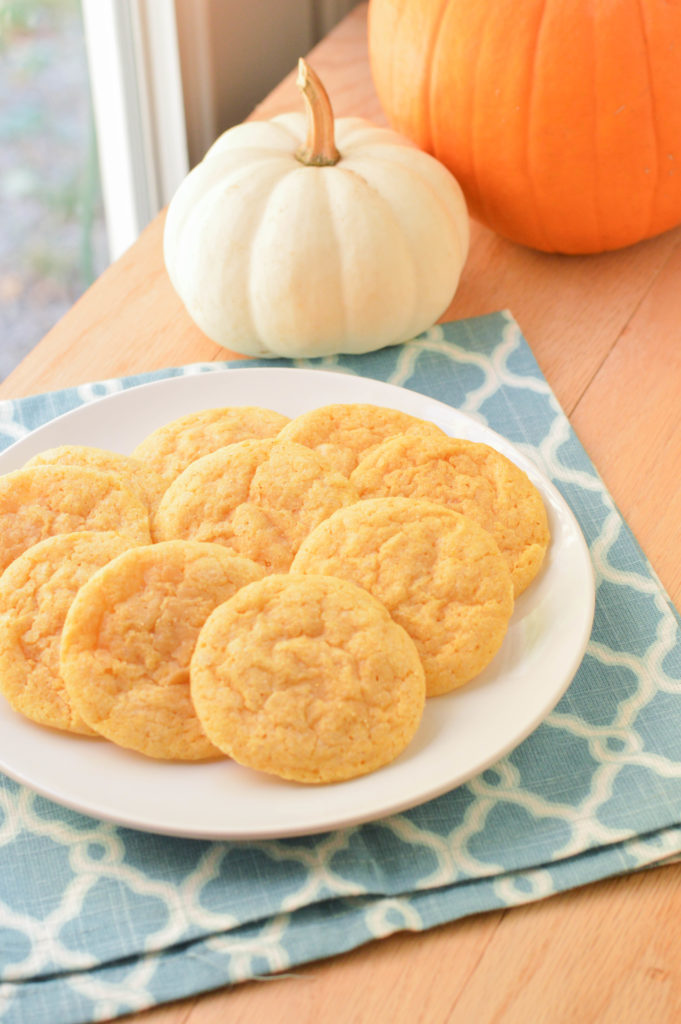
(606, 331)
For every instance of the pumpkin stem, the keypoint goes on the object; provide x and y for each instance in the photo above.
(319, 148)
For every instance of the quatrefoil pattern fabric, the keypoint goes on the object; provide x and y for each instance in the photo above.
(97, 921)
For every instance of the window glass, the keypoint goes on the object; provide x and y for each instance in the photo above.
(53, 241)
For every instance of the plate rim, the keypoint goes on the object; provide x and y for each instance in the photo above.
(274, 831)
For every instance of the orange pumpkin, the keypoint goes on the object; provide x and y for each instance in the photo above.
(560, 119)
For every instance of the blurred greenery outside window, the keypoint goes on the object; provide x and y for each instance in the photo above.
(53, 241)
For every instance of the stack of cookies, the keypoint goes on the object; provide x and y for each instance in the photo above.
(285, 592)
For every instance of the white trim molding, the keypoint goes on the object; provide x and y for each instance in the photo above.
(137, 97)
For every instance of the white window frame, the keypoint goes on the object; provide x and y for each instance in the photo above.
(136, 87)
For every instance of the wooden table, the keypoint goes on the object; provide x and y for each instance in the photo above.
(606, 331)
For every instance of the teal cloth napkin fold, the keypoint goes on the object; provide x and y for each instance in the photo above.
(98, 921)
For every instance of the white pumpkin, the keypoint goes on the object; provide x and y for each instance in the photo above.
(277, 247)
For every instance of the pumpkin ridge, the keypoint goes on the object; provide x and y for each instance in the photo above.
(653, 121)
(473, 148)
(338, 248)
(429, 89)
(181, 215)
(387, 206)
(539, 220)
(397, 167)
(468, 142)
(387, 209)
(600, 228)
(397, 26)
(253, 303)
(188, 248)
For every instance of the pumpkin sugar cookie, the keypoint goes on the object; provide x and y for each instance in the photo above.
(172, 447)
(129, 637)
(345, 433)
(439, 574)
(137, 476)
(43, 501)
(36, 591)
(471, 478)
(259, 498)
(307, 678)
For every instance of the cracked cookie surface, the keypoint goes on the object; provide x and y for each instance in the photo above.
(173, 446)
(36, 591)
(259, 498)
(439, 574)
(129, 637)
(345, 432)
(44, 501)
(136, 475)
(471, 478)
(307, 678)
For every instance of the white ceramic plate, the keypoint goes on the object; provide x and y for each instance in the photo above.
(461, 733)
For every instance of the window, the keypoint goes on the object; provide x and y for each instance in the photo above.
(53, 239)
(104, 104)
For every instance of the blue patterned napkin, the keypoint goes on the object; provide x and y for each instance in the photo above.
(97, 921)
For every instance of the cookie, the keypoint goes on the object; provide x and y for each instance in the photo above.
(36, 592)
(137, 476)
(439, 574)
(43, 501)
(307, 678)
(172, 447)
(345, 433)
(259, 498)
(129, 637)
(471, 478)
